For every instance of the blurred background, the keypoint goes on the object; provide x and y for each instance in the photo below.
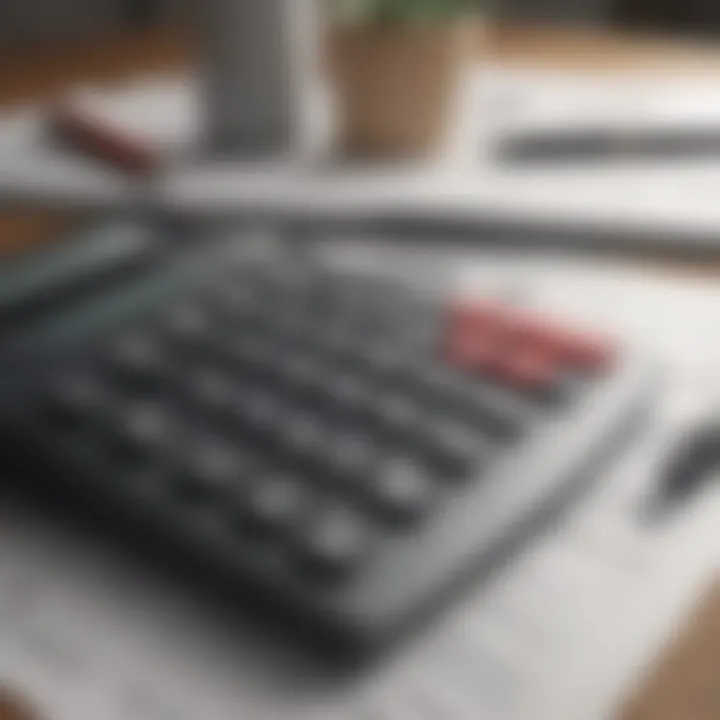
(48, 46)
(33, 21)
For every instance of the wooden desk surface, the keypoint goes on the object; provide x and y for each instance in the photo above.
(686, 685)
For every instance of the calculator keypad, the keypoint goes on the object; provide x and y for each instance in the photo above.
(325, 416)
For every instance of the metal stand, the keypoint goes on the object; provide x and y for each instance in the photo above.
(255, 56)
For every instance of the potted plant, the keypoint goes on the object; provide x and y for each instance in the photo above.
(396, 68)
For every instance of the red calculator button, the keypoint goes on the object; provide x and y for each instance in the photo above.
(475, 352)
(531, 370)
(592, 352)
(474, 316)
(582, 350)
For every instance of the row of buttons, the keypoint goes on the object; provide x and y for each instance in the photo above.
(329, 535)
(298, 300)
(272, 335)
(401, 485)
(370, 388)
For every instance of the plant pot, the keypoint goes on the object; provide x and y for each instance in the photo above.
(396, 88)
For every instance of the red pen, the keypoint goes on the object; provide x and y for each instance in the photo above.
(98, 139)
